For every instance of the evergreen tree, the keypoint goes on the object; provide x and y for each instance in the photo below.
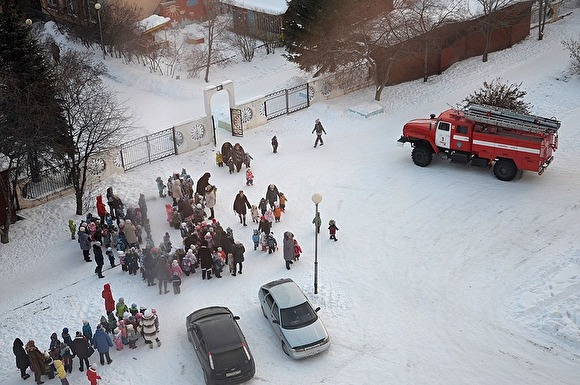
(32, 128)
(323, 35)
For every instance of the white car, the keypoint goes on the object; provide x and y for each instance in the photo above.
(297, 326)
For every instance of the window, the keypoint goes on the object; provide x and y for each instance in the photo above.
(462, 130)
(444, 126)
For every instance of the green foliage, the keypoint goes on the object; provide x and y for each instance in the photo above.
(500, 94)
(323, 35)
(32, 128)
(573, 47)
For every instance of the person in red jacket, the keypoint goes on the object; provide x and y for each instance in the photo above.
(101, 209)
(108, 297)
(92, 374)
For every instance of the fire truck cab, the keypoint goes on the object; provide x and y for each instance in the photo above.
(485, 136)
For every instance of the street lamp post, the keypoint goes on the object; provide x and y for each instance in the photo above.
(98, 8)
(316, 198)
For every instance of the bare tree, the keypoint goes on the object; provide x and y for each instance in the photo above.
(427, 15)
(245, 44)
(95, 118)
(489, 21)
(216, 25)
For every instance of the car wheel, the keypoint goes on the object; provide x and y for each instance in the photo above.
(285, 349)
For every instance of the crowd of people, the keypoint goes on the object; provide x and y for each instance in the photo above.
(123, 326)
(205, 245)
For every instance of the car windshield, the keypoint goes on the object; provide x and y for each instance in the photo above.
(297, 316)
(229, 358)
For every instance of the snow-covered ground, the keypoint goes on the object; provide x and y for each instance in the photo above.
(441, 275)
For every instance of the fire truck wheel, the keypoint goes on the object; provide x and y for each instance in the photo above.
(422, 156)
(505, 169)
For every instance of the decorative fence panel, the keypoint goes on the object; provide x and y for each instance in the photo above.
(148, 149)
(50, 181)
(286, 101)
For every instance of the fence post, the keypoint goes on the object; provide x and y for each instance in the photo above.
(174, 140)
(307, 94)
(287, 101)
(122, 160)
(148, 148)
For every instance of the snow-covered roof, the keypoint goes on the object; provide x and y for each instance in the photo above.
(153, 22)
(272, 7)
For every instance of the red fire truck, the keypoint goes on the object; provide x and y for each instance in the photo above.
(485, 136)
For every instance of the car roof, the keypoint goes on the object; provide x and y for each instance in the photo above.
(218, 326)
(286, 292)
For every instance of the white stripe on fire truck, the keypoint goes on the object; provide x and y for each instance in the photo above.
(461, 138)
(507, 147)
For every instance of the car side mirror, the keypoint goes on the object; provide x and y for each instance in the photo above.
(275, 321)
(236, 317)
(316, 310)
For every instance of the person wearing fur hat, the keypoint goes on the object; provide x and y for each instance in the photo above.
(36, 359)
(92, 375)
(102, 342)
(22, 361)
(84, 243)
(99, 260)
(80, 348)
(149, 328)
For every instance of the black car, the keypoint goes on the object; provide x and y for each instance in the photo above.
(220, 346)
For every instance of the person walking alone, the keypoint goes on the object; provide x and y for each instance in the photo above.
(319, 131)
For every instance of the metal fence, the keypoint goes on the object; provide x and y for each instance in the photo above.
(50, 182)
(285, 101)
(147, 149)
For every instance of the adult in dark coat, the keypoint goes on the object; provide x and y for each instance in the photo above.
(274, 144)
(241, 205)
(163, 273)
(191, 239)
(238, 154)
(239, 251)
(264, 225)
(288, 248)
(99, 260)
(226, 150)
(202, 183)
(272, 195)
(22, 361)
(107, 295)
(143, 207)
(36, 359)
(102, 342)
(205, 259)
(185, 209)
(80, 347)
